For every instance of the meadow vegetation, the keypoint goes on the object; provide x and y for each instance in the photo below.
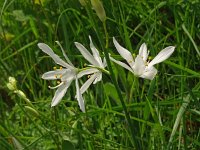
(122, 111)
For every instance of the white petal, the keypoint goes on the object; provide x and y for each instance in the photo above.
(52, 75)
(87, 72)
(124, 53)
(162, 56)
(121, 64)
(68, 75)
(86, 85)
(86, 54)
(46, 49)
(67, 59)
(79, 97)
(60, 92)
(143, 52)
(95, 53)
(149, 73)
(139, 66)
(104, 62)
(98, 77)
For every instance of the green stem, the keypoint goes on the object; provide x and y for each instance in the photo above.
(106, 33)
(132, 130)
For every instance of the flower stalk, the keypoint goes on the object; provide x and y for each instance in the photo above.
(127, 115)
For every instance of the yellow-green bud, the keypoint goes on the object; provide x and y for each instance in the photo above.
(31, 111)
(98, 7)
(23, 96)
(83, 2)
(12, 85)
(12, 80)
(20, 94)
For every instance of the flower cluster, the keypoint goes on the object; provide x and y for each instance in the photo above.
(67, 73)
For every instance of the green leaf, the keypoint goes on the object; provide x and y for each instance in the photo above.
(111, 91)
(67, 145)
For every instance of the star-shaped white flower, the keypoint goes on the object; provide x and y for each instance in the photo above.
(140, 67)
(66, 75)
(96, 65)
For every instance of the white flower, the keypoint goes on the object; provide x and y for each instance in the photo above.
(65, 75)
(140, 67)
(96, 62)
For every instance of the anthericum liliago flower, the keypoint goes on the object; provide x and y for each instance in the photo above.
(96, 67)
(140, 66)
(65, 75)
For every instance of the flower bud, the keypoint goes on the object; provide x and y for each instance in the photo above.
(31, 111)
(12, 84)
(83, 2)
(20, 94)
(10, 87)
(23, 96)
(12, 80)
(98, 7)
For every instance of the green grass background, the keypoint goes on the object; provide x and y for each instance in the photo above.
(164, 113)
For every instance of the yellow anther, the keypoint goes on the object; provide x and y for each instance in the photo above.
(85, 65)
(56, 76)
(60, 75)
(61, 68)
(54, 68)
(130, 61)
(58, 82)
(89, 76)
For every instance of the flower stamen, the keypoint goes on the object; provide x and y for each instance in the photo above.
(88, 76)
(56, 86)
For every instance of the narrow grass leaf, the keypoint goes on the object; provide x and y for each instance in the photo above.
(186, 101)
(191, 39)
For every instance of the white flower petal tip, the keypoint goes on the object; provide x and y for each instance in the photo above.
(143, 51)
(124, 52)
(39, 44)
(45, 48)
(60, 92)
(53, 104)
(83, 109)
(79, 97)
(86, 54)
(95, 53)
(90, 38)
(162, 55)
